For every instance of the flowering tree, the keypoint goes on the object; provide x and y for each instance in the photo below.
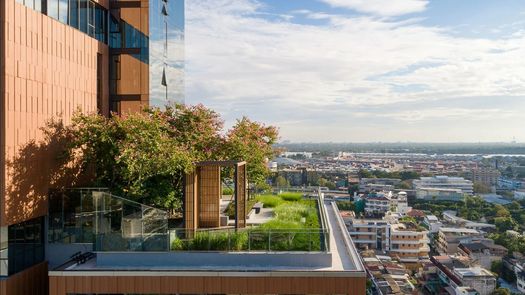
(145, 156)
(251, 142)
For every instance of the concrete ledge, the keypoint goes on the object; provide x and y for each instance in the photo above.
(230, 260)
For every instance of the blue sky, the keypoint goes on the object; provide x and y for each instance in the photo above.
(362, 70)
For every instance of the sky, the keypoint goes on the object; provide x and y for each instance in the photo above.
(362, 70)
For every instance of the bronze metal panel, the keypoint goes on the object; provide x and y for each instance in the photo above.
(209, 195)
(50, 72)
(190, 285)
(190, 202)
(240, 196)
(216, 284)
(130, 75)
(32, 281)
(4, 36)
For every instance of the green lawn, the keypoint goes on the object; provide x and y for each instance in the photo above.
(295, 227)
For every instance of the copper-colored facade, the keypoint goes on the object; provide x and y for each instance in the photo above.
(165, 284)
(33, 281)
(50, 69)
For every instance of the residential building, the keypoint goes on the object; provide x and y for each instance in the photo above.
(478, 278)
(408, 243)
(58, 57)
(509, 184)
(378, 204)
(400, 203)
(370, 234)
(459, 278)
(433, 223)
(405, 242)
(367, 185)
(515, 266)
(485, 175)
(445, 182)
(483, 252)
(62, 56)
(451, 217)
(448, 238)
(388, 277)
(440, 194)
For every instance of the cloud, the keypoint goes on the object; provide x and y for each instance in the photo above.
(381, 7)
(279, 71)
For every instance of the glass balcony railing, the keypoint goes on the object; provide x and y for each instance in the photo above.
(108, 222)
(114, 224)
(250, 239)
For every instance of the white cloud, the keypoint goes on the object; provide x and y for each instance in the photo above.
(381, 7)
(241, 63)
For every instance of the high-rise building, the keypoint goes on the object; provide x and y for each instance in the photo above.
(487, 176)
(62, 56)
(57, 57)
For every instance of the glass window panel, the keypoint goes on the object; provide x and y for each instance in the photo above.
(63, 11)
(100, 24)
(52, 8)
(30, 4)
(73, 13)
(91, 19)
(83, 15)
(38, 5)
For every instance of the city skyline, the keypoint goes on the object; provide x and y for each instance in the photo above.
(362, 71)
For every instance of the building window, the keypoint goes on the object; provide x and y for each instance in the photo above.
(52, 8)
(25, 245)
(33, 4)
(63, 11)
(3, 251)
(83, 15)
(91, 19)
(73, 13)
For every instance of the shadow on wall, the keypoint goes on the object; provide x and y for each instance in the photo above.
(37, 167)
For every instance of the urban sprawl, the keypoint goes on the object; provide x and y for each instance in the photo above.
(427, 224)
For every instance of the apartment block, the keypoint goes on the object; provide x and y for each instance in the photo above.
(403, 241)
(444, 182)
(487, 176)
(378, 204)
(433, 223)
(448, 238)
(484, 252)
(440, 194)
(408, 243)
(458, 277)
(370, 234)
(367, 185)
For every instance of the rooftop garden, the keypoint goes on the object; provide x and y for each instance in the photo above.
(295, 227)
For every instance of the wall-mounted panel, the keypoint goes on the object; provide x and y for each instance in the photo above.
(51, 71)
(33, 281)
(209, 192)
(217, 284)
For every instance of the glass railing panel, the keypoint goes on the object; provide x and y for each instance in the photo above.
(251, 240)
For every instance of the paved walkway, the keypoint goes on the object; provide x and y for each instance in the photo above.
(341, 257)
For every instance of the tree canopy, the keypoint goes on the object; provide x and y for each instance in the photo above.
(144, 156)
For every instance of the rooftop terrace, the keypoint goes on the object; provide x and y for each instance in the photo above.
(337, 254)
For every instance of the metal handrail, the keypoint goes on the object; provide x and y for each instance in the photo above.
(324, 219)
